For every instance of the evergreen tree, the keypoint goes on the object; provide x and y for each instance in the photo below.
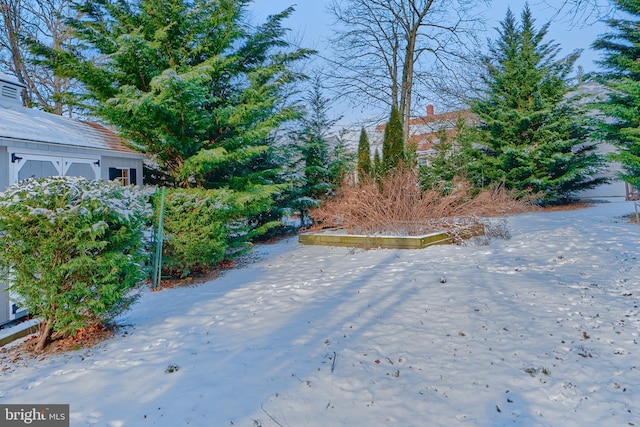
(187, 82)
(393, 142)
(535, 141)
(454, 157)
(341, 161)
(320, 162)
(313, 140)
(377, 164)
(622, 60)
(364, 157)
(75, 249)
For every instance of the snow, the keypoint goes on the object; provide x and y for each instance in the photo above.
(538, 330)
(127, 202)
(34, 125)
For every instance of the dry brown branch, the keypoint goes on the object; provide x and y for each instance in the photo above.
(399, 206)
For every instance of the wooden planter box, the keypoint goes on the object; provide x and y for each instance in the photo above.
(336, 238)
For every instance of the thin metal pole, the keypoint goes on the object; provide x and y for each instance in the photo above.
(155, 244)
(157, 264)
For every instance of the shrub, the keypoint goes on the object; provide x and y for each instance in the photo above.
(397, 205)
(203, 227)
(195, 231)
(74, 249)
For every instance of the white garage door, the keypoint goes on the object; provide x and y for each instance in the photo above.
(25, 165)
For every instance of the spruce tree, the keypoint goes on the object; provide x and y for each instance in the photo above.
(454, 158)
(621, 49)
(187, 82)
(393, 142)
(313, 143)
(534, 140)
(341, 161)
(364, 157)
(317, 161)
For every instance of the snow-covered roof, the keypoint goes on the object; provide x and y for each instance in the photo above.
(28, 124)
(10, 79)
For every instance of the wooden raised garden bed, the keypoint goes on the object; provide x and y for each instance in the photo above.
(335, 237)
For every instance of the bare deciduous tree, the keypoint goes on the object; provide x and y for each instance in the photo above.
(582, 12)
(392, 52)
(462, 80)
(41, 20)
(11, 54)
(385, 48)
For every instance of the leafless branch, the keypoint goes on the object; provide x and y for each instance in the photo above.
(399, 206)
(41, 20)
(384, 47)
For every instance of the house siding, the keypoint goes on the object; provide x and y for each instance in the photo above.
(4, 303)
(615, 188)
(122, 163)
(4, 171)
(106, 159)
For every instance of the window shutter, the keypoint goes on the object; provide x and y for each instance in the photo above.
(113, 174)
(133, 179)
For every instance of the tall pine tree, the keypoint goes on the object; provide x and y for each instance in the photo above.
(364, 167)
(377, 164)
(187, 82)
(318, 158)
(393, 141)
(621, 49)
(534, 140)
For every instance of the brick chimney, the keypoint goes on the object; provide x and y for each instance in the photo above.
(430, 110)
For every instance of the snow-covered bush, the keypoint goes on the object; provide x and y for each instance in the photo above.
(195, 231)
(74, 248)
(205, 226)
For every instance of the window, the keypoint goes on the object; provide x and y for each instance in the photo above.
(126, 176)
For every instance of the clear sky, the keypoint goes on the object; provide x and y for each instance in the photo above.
(312, 24)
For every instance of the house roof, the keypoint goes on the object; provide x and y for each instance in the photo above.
(423, 131)
(441, 118)
(28, 124)
(10, 79)
(437, 121)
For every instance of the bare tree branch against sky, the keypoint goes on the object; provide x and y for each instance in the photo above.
(575, 24)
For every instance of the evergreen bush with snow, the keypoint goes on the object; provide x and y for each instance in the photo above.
(203, 227)
(195, 235)
(74, 249)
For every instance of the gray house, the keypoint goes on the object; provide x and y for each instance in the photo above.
(37, 144)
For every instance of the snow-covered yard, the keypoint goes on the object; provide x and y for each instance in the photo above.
(538, 330)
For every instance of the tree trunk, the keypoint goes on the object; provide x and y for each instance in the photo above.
(11, 13)
(45, 334)
(394, 75)
(407, 85)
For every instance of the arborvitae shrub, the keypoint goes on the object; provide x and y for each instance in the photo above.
(203, 227)
(73, 250)
(195, 231)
